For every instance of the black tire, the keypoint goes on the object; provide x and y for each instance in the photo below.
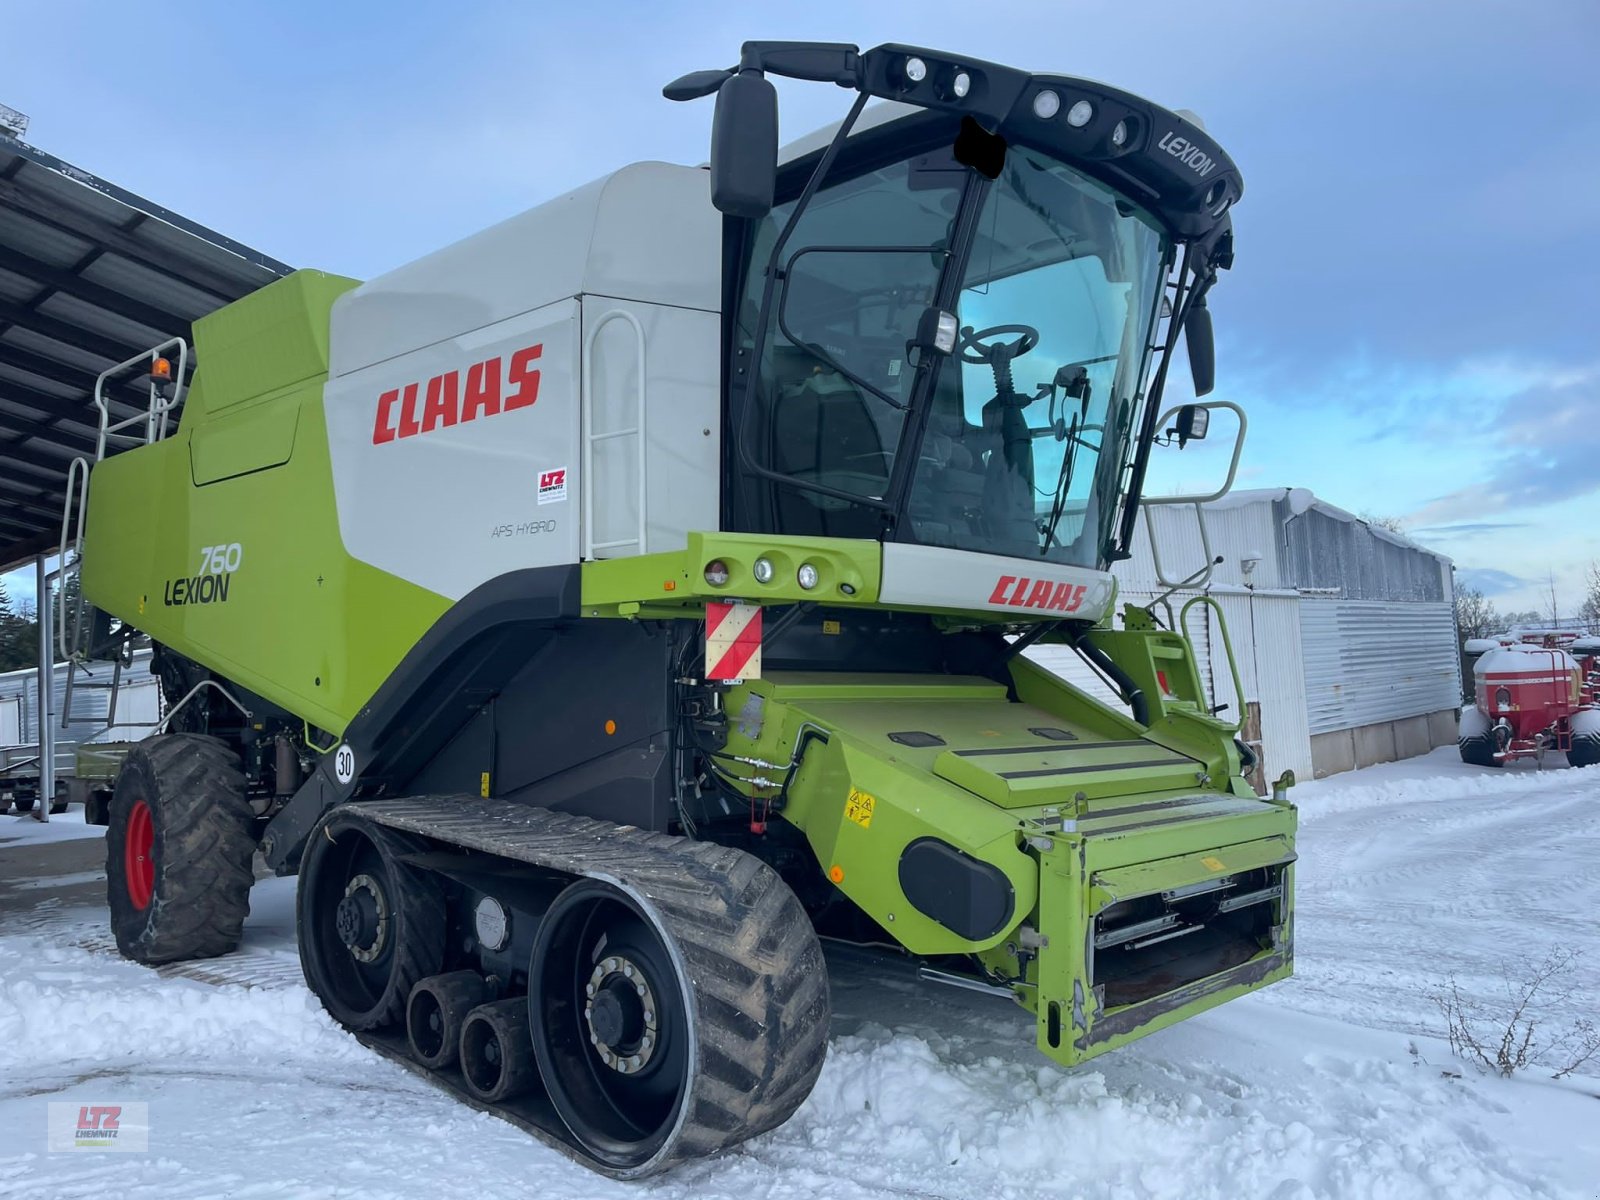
(435, 1013)
(1585, 752)
(497, 1062)
(24, 803)
(369, 927)
(1479, 751)
(179, 847)
(59, 804)
(738, 1025)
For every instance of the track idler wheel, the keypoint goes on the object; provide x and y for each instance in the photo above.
(497, 1062)
(370, 927)
(436, 1012)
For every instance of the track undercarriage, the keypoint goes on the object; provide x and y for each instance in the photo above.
(634, 999)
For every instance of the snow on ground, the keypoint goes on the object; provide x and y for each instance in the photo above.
(1336, 1083)
(61, 827)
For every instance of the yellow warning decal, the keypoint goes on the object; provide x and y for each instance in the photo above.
(858, 807)
(1211, 862)
(483, 785)
(831, 627)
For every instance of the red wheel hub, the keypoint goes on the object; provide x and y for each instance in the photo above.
(139, 855)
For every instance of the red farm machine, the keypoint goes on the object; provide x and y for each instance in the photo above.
(1533, 693)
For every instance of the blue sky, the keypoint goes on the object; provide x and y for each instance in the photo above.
(1409, 322)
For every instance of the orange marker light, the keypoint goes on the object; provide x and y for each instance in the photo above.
(836, 873)
(669, 585)
(611, 728)
(160, 370)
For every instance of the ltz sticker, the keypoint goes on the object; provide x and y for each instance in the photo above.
(553, 486)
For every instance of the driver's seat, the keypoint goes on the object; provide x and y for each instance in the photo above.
(823, 432)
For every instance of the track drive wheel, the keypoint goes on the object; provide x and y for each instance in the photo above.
(369, 926)
(179, 846)
(663, 1034)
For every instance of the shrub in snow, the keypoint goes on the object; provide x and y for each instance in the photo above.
(1510, 1035)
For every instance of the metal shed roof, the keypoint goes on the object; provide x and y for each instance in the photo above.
(90, 275)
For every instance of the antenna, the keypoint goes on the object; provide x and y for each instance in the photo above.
(12, 122)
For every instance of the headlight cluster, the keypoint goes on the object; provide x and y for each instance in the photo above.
(1048, 103)
(765, 572)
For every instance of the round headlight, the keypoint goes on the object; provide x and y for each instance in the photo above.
(1119, 134)
(762, 570)
(806, 576)
(960, 85)
(1046, 105)
(916, 70)
(1080, 114)
(717, 573)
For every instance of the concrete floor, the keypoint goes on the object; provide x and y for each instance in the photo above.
(35, 874)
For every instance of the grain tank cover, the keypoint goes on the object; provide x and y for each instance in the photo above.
(607, 238)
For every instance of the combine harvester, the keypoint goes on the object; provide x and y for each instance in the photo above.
(1535, 694)
(593, 610)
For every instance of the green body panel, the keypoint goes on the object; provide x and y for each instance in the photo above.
(296, 619)
(1074, 825)
(673, 584)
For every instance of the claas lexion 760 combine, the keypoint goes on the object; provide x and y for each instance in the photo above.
(596, 609)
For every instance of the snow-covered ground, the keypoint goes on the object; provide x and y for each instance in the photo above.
(1336, 1083)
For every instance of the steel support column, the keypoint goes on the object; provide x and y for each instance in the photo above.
(47, 707)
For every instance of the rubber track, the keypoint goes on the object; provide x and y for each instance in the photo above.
(756, 966)
(207, 845)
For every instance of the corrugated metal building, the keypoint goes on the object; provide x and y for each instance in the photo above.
(1344, 632)
(138, 707)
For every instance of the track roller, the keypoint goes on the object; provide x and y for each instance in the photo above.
(435, 1013)
(497, 1061)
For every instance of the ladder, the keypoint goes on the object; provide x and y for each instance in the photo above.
(83, 633)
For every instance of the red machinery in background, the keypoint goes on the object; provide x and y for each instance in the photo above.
(1532, 696)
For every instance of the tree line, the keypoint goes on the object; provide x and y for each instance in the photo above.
(1477, 616)
(19, 633)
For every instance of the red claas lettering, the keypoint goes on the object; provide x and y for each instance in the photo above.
(491, 387)
(1023, 592)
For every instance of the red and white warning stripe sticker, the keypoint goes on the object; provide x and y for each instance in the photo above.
(733, 641)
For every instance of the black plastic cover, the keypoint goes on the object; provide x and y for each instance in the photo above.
(964, 894)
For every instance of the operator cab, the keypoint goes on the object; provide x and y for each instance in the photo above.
(941, 328)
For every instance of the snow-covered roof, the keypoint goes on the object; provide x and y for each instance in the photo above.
(1302, 500)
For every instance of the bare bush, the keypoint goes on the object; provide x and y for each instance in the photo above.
(1508, 1036)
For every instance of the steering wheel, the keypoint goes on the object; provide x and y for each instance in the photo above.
(975, 346)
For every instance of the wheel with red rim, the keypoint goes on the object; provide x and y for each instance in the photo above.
(138, 855)
(180, 840)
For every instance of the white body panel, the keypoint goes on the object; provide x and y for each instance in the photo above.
(452, 506)
(626, 268)
(647, 233)
(677, 412)
(933, 577)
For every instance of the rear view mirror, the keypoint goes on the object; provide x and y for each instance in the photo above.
(744, 146)
(1202, 350)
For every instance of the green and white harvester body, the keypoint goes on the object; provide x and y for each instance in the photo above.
(595, 611)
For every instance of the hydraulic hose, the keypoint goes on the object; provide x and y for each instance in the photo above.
(1132, 694)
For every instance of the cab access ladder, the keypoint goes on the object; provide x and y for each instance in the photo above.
(83, 633)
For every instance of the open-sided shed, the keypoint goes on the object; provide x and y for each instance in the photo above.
(90, 275)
